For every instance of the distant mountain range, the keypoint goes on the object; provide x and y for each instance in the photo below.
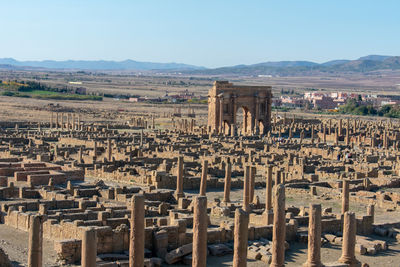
(289, 68)
(280, 68)
(97, 65)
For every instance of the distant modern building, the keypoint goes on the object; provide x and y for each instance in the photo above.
(80, 91)
(292, 102)
(324, 102)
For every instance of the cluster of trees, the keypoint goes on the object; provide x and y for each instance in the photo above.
(30, 86)
(358, 108)
(32, 89)
(52, 95)
(11, 85)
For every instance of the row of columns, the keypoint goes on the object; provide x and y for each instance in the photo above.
(72, 122)
(200, 224)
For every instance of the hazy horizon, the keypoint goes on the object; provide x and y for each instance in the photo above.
(187, 63)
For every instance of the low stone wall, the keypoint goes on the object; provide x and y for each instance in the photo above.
(43, 179)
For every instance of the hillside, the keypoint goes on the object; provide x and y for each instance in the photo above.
(98, 65)
(278, 68)
(291, 68)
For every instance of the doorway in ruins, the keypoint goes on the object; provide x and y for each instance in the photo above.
(243, 120)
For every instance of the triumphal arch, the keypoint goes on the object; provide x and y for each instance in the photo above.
(226, 99)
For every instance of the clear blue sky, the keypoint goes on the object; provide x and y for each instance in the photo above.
(210, 33)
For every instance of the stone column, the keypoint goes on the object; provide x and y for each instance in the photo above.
(252, 183)
(312, 134)
(68, 122)
(345, 196)
(349, 240)
(227, 186)
(200, 223)
(57, 120)
(385, 141)
(221, 115)
(141, 137)
(245, 122)
(62, 120)
(268, 196)
(51, 120)
(336, 137)
(136, 242)
(179, 179)
(268, 189)
(89, 248)
(233, 130)
(203, 181)
(330, 126)
(80, 153)
(109, 150)
(279, 228)
(278, 177)
(314, 237)
(246, 191)
(241, 233)
(371, 211)
(35, 252)
(256, 125)
(73, 121)
(95, 149)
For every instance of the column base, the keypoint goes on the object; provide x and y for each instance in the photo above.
(268, 217)
(307, 264)
(336, 264)
(350, 262)
(179, 195)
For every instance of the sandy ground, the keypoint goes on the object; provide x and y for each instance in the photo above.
(15, 243)
(34, 110)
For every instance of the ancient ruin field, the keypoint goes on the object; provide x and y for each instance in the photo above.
(77, 169)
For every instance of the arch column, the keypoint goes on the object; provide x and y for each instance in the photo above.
(256, 127)
(234, 109)
(221, 114)
(245, 122)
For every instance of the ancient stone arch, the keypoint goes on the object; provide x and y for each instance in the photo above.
(224, 100)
